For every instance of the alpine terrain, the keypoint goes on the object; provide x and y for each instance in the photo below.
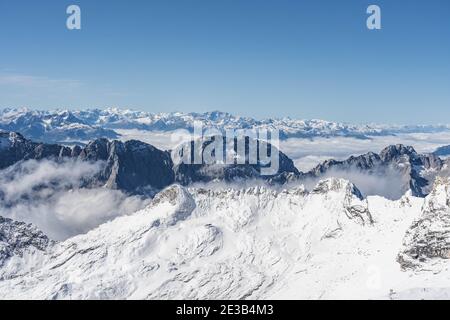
(145, 224)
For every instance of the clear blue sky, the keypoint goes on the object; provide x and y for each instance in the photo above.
(298, 58)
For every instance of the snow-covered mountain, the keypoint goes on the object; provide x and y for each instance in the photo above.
(237, 244)
(410, 170)
(232, 166)
(60, 126)
(311, 235)
(84, 125)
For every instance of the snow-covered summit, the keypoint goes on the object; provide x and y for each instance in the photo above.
(232, 243)
(52, 126)
(178, 199)
(189, 244)
(83, 125)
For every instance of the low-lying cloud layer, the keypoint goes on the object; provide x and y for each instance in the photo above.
(308, 153)
(48, 194)
(387, 183)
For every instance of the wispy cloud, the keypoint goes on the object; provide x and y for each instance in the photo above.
(31, 81)
(48, 194)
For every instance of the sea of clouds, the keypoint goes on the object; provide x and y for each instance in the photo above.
(309, 152)
(49, 195)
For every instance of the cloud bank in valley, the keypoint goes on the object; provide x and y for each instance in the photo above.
(48, 194)
(389, 183)
(308, 153)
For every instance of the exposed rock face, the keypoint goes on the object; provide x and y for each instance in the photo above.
(415, 170)
(229, 168)
(328, 185)
(442, 151)
(139, 168)
(18, 237)
(132, 166)
(15, 148)
(354, 204)
(429, 237)
(179, 199)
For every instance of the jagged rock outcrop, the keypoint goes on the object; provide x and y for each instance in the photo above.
(16, 238)
(429, 237)
(131, 166)
(139, 168)
(228, 168)
(179, 199)
(333, 184)
(415, 170)
(14, 148)
(354, 205)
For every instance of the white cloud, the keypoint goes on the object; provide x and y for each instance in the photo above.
(307, 153)
(47, 194)
(160, 140)
(387, 183)
(29, 81)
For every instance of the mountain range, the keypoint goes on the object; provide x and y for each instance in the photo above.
(415, 172)
(139, 168)
(80, 126)
(203, 233)
(134, 166)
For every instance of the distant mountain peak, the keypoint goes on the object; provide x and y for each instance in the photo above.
(88, 124)
(395, 151)
(414, 171)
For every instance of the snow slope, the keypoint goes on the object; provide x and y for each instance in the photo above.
(235, 244)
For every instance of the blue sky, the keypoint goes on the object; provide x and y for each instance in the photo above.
(260, 58)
